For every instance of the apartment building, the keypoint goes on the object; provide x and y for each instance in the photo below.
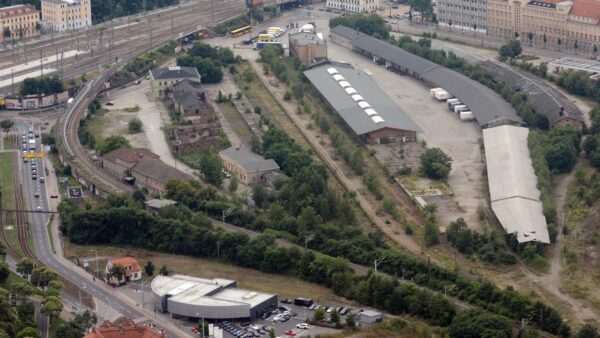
(356, 6)
(66, 15)
(561, 25)
(19, 22)
(467, 15)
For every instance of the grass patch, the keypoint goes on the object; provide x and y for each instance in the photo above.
(236, 122)
(284, 286)
(49, 227)
(134, 109)
(9, 142)
(12, 279)
(8, 200)
(97, 124)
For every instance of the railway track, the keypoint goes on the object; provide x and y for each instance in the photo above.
(22, 227)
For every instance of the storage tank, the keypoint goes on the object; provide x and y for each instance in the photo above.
(466, 115)
(459, 108)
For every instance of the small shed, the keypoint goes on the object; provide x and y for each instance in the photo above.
(370, 316)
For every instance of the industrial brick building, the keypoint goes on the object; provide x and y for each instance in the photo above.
(308, 47)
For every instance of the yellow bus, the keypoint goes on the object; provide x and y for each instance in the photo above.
(240, 31)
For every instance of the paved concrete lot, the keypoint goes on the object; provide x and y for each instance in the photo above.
(440, 127)
(133, 291)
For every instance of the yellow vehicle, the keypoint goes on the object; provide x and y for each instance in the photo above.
(264, 37)
(240, 31)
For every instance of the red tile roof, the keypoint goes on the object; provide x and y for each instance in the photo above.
(127, 261)
(126, 330)
(132, 155)
(16, 10)
(586, 8)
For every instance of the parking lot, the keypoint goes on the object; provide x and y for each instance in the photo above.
(297, 315)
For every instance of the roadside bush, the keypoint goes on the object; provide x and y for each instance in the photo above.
(135, 125)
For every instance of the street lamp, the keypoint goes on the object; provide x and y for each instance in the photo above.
(95, 273)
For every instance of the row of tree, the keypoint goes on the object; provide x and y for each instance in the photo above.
(43, 85)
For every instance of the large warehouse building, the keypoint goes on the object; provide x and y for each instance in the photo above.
(513, 184)
(208, 298)
(489, 109)
(358, 100)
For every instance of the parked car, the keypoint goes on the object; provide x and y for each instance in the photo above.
(303, 326)
(290, 333)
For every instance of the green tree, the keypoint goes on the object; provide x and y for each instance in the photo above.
(69, 330)
(23, 289)
(272, 333)
(587, 331)
(135, 125)
(351, 320)
(233, 184)
(435, 163)
(25, 266)
(477, 324)
(319, 314)
(211, 166)
(335, 317)
(117, 271)
(423, 6)
(52, 306)
(42, 276)
(510, 50)
(164, 271)
(431, 233)
(55, 287)
(85, 320)
(28, 332)
(149, 269)
(7, 125)
(111, 143)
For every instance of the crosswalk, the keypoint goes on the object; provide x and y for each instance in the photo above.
(105, 311)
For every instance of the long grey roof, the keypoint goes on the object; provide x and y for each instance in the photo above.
(349, 108)
(346, 32)
(544, 99)
(168, 73)
(488, 107)
(250, 161)
(394, 54)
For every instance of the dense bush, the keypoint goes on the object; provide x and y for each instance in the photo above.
(43, 85)
(372, 24)
(208, 60)
(435, 163)
(111, 143)
(469, 242)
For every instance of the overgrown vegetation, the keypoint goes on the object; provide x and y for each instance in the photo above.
(235, 23)
(43, 85)
(372, 24)
(208, 60)
(487, 247)
(141, 65)
(435, 164)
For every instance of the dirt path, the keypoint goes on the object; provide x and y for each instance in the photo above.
(551, 281)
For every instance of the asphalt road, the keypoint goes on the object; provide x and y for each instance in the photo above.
(43, 250)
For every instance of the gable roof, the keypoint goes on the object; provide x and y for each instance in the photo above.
(126, 330)
(512, 182)
(544, 100)
(158, 170)
(168, 73)
(488, 107)
(127, 261)
(368, 109)
(346, 32)
(129, 155)
(248, 160)
(190, 95)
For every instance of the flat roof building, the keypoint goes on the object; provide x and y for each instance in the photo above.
(361, 103)
(208, 298)
(308, 47)
(512, 183)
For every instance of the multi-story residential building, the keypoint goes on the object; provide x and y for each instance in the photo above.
(356, 6)
(66, 15)
(18, 22)
(562, 25)
(462, 14)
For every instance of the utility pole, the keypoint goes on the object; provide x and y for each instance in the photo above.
(61, 64)
(12, 80)
(212, 11)
(41, 62)
(150, 25)
(172, 32)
